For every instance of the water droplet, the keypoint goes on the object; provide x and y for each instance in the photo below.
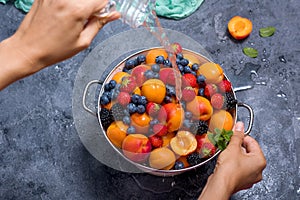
(251, 43)
(266, 65)
(282, 59)
(264, 50)
(298, 191)
(280, 74)
(173, 183)
(281, 94)
(264, 60)
(241, 61)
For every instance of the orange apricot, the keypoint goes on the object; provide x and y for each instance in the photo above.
(221, 119)
(154, 90)
(239, 27)
(153, 53)
(213, 72)
(183, 143)
(119, 75)
(200, 107)
(141, 122)
(116, 133)
(162, 158)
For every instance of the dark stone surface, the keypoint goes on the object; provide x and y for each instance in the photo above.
(42, 156)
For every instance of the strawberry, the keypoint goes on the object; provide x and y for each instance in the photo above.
(176, 47)
(188, 94)
(128, 84)
(160, 129)
(123, 98)
(162, 115)
(152, 109)
(156, 141)
(210, 89)
(189, 80)
(207, 150)
(217, 101)
(171, 79)
(224, 86)
(200, 140)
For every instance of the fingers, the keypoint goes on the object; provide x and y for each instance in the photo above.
(238, 134)
(252, 147)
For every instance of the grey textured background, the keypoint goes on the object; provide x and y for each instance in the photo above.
(42, 156)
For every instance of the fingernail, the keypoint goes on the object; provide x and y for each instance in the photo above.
(239, 126)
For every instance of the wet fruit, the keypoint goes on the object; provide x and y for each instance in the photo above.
(162, 158)
(212, 72)
(141, 122)
(119, 76)
(183, 143)
(152, 54)
(200, 107)
(154, 90)
(221, 119)
(116, 133)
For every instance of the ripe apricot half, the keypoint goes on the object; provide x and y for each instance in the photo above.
(239, 27)
(183, 143)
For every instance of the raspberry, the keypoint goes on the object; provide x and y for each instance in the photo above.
(224, 86)
(217, 101)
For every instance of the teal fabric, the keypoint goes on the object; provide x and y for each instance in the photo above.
(176, 9)
(24, 5)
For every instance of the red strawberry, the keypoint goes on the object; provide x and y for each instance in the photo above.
(217, 101)
(152, 109)
(156, 141)
(123, 98)
(200, 140)
(188, 94)
(162, 115)
(207, 150)
(128, 84)
(176, 47)
(210, 89)
(160, 129)
(189, 80)
(224, 86)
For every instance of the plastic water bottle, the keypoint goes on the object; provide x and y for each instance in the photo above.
(133, 12)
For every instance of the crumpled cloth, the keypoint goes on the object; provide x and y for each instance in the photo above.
(173, 9)
(24, 5)
(176, 9)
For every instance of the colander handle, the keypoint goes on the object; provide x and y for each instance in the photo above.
(251, 116)
(85, 93)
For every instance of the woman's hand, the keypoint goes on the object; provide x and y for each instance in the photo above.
(238, 167)
(52, 31)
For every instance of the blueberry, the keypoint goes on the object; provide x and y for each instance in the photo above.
(195, 67)
(131, 108)
(130, 130)
(188, 115)
(170, 90)
(141, 59)
(129, 64)
(153, 122)
(159, 60)
(155, 68)
(168, 99)
(135, 98)
(108, 94)
(201, 81)
(125, 70)
(167, 63)
(114, 93)
(149, 74)
(187, 69)
(178, 165)
(180, 67)
(156, 75)
(194, 73)
(184, 62)
(126, 120)
(112, 84)
(201, 92)
(142, 100)
(141, 109)
(179, 56)
(104, 100)
(187, 123)
(107, 87)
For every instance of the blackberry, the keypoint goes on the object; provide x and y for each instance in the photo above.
(117, 112)
(230, 101)
(199, 127)
(194, 159)
(106, 118)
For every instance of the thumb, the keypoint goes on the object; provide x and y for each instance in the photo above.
(238, 134)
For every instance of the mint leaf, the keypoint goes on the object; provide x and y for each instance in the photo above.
(220, 138)
(211, 138)
(250, 52)
(267, 31)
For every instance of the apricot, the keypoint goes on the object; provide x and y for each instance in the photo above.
(174, 116)
(136, 147)
(153, 53)
(119, 75)
(116, 133)
(239, 27)
(162, 158)
(141, 122)
(212, 72)
(221, 119)
(167, 138)
(183, 159)
(200, 107)
(183, 143)
(154, 90)
(192, 59)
